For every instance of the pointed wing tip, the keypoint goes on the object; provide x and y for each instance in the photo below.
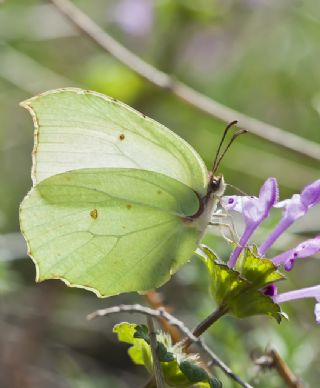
(28, 102)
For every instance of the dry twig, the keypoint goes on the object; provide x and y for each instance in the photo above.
(199, 101)
(284, 371)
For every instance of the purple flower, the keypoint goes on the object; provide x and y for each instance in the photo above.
(294, 208)
(309, 292)
(254, 210)
(305, 249)
(135, 17)
(270, 290)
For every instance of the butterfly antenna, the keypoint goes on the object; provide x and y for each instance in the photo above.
(235, 135)
(237, 189)
(214, 167)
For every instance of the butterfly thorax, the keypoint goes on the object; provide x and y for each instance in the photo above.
(208, 203)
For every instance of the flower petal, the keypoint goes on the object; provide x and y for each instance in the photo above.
(233, 202)
(310, 292)
(254, 211)
(269, 192)
(305, 249)
(310, 195)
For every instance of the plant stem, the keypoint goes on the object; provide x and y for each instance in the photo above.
(154, 299)
(284, 371)
(204, 325)
(197, 100)
(157, 370)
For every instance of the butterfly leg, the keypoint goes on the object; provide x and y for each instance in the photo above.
(230, 228)
(230, 225)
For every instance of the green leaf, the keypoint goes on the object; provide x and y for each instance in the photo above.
(140, 352)
(141, 331)
(193, 372)
(179, 369)
(259, 271)
(163, 354)
(240, 292)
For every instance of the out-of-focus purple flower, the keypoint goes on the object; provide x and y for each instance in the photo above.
(305, 249)
(254, 211)
(294, 208)
(317, 312)
(309, 292)
(134, 17)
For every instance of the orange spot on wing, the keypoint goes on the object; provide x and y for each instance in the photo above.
(94, 214)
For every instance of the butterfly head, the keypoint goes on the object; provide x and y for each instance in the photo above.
(216, 185)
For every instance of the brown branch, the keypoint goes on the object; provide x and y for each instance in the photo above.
(284, 371)
(154, 300)
(204, 325)
(214, 359)
(197, 100)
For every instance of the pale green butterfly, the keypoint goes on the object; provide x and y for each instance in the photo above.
(119, 202)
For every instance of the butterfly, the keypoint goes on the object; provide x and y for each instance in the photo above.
(119, 202)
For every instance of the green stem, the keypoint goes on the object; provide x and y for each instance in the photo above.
(204, 325)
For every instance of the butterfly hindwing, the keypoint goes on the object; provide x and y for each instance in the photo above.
(109, 230)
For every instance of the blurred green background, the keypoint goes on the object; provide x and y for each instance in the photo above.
(260, 57)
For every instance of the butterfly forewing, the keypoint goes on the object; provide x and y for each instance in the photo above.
(82, 129)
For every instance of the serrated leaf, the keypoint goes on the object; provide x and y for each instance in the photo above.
(163, 354)
(193, 372)
(225, 283)
(139, 352)
(141, 331)
(214, 382)
(253, 302)
(125, 332)
(240, 293)
(259, 271)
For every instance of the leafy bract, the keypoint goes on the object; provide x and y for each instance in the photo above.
(77, 129)
(239, 291)
(140, 352)
(179, 369)
(110, 230)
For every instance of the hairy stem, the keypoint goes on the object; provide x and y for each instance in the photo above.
(157, 370)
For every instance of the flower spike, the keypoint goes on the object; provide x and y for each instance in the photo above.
(254, 211)
(294, 208)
